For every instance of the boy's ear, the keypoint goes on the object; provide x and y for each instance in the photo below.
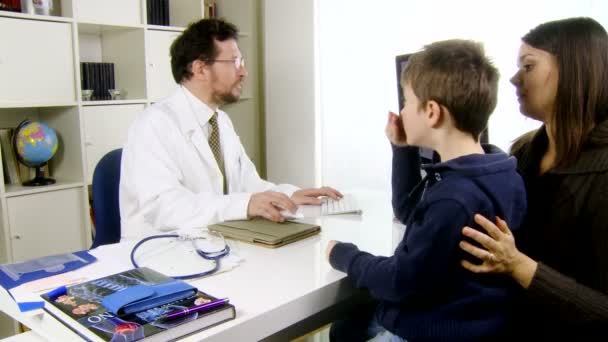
(434, 113)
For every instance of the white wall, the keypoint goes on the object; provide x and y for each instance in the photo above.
(290, 99)
(329, 129)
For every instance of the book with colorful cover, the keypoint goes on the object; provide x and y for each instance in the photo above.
(80, 308)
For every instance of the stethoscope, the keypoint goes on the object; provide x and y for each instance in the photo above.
(212, 256)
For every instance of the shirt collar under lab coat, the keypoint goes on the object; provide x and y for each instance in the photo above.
(201, 112)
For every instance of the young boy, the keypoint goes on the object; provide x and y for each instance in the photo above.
(423, 292)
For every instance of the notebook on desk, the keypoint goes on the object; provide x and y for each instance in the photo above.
(266, 233)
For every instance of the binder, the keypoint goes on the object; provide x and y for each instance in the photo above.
(266, 233)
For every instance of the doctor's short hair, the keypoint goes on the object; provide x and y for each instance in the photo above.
(457, 75)
(198, 42)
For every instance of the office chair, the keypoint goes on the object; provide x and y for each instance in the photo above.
(106, 213)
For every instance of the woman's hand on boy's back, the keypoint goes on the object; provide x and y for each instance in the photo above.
(498, 251)
(394, 130)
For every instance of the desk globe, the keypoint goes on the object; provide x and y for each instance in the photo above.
(35, 144)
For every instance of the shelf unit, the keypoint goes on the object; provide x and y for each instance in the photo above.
(40, 60)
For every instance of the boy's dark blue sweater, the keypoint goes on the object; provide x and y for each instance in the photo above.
(424, 292)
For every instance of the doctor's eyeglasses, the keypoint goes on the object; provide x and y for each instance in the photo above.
(239, 62)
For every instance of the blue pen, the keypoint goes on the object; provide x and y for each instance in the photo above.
(56, 293)
(197, 308)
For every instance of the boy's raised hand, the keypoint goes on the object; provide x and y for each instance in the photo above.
(394, 130)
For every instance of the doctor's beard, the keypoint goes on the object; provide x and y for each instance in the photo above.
(228, 97)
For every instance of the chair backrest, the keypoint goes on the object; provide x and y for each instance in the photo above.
(106, 179)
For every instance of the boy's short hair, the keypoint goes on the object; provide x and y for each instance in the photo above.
(457, 75)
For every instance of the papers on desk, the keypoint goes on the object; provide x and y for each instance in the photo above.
(12, 275)
(27, 295)
(108, 263)
(15, 275)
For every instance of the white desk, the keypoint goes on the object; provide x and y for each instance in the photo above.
(272, 289)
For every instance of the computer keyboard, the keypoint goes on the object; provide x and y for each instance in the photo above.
(346, 205)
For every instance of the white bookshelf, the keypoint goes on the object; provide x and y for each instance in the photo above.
(40, 60)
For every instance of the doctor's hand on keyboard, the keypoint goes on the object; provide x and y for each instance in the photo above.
(346, 205)
(311, 199)
(311, 196)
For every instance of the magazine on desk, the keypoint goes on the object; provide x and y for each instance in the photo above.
(85, 308)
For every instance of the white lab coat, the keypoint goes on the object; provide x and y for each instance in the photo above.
(169, 176)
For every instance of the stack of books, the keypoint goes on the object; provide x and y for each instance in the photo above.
(158, 12)
(158, 308)
(99, 77)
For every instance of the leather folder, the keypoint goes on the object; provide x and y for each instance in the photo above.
(266, 233)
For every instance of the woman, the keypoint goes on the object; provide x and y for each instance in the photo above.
(561, 256)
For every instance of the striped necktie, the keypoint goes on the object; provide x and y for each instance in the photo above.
(216, 147)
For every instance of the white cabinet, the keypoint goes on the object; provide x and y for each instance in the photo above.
(46, 224)
(109, 12)
(160, 80)
(36, 62)
(105, 129)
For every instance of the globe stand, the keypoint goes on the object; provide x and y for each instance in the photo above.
(39, 179)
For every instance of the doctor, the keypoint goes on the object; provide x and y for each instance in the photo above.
(183, 165)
